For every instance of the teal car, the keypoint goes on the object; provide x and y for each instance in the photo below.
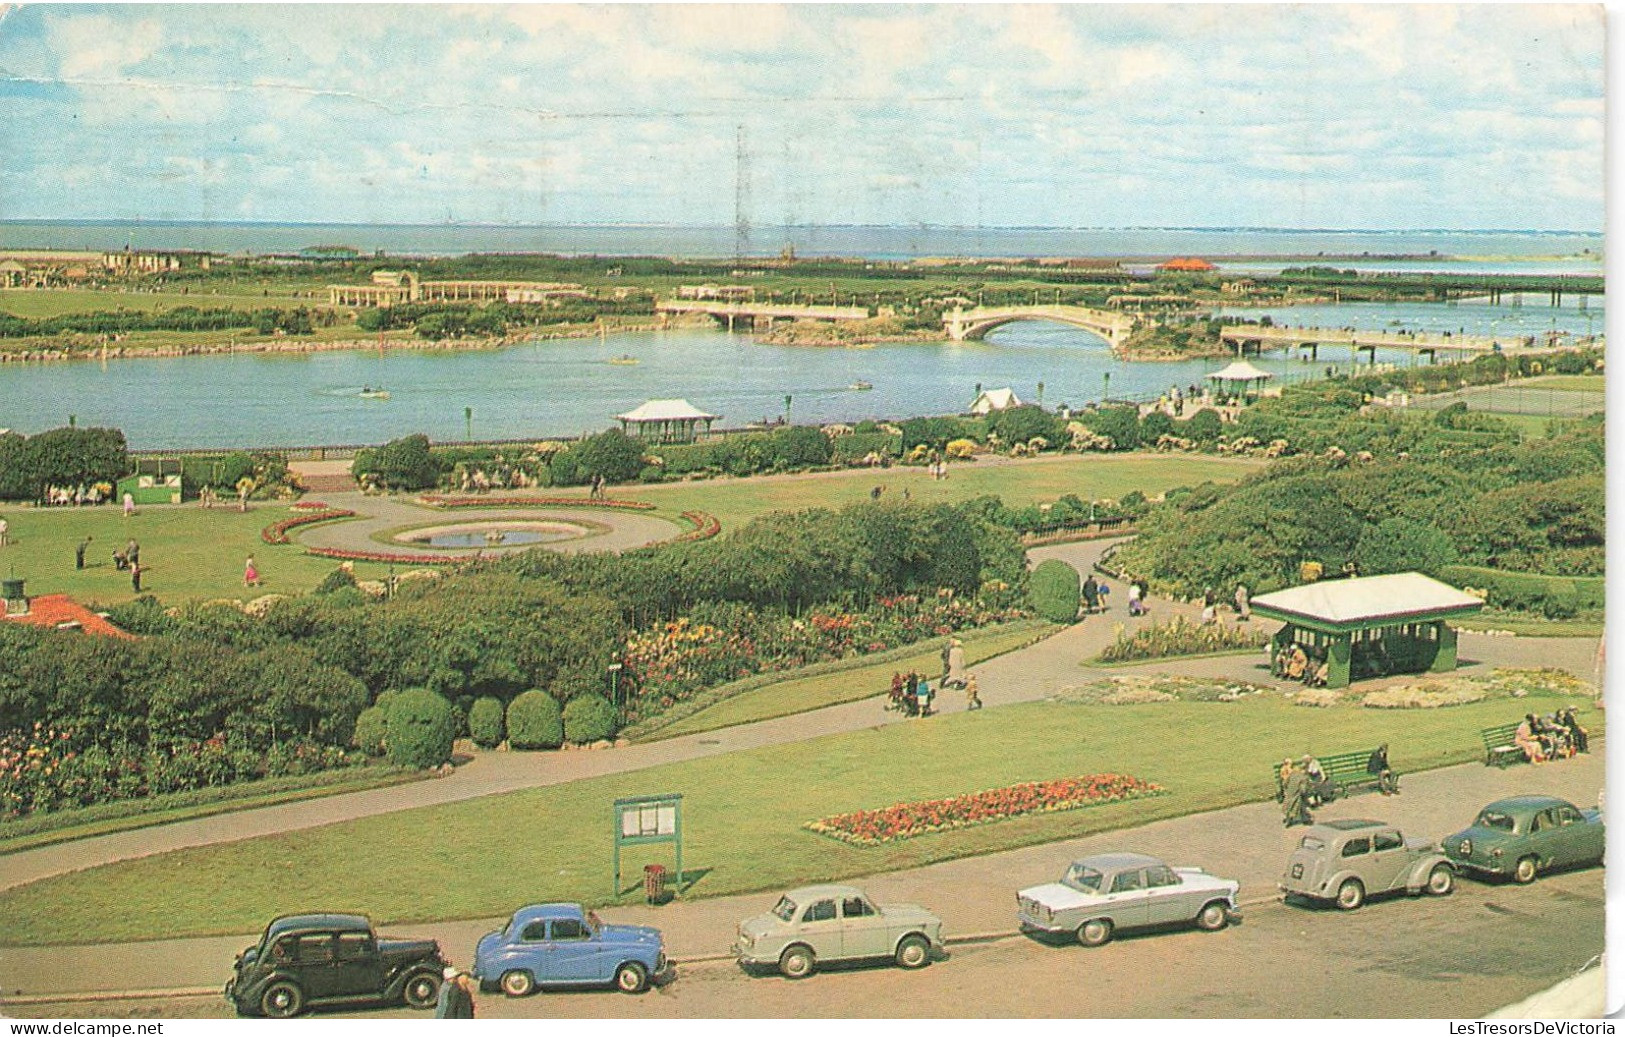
(1526, 835)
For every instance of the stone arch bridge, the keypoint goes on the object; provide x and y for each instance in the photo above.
(963, 324)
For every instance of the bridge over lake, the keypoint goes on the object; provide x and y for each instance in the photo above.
(965, 324)
(761, 312)
(1255, 338)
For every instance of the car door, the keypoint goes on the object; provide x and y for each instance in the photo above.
(1388, 864)
(820, 929)
(1167, 899)
(533, 952)
(865, 931)
(1571, 836)
(357, 969)
(571, 950)
(1126, 901)
(1546, 838)
(315, 965)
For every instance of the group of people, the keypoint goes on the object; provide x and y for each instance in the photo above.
(912, 696)
(1095, 592)
(1551, 736)
(1293, 663)
(595, 488)
(127, 559)
(1304, 785)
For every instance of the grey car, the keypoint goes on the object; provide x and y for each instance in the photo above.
(1118, 892)
(836, 923)
(1344, 862)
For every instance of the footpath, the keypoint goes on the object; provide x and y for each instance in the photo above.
(974, 896)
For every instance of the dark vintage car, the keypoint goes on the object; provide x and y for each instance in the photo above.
(305, 960)
(1526, 835)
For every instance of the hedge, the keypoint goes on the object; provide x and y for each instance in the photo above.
(535, 722)
(485, 722)
(1053, 591)
(371, 727)
(421, 729)
(858, 445)
(588, 718)
(1557, 597)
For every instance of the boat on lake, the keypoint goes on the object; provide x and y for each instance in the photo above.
(860, 386)
(369, 393)
(624, 360)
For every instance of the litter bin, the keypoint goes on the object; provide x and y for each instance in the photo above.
(654, 883)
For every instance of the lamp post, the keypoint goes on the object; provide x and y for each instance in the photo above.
(1106, 387)
(468, 424)
(615, 684)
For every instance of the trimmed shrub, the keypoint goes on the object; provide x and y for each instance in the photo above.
(385, 698)
(485, 722)
(421, 729)
(1053, 590)
(535, 721)
(588, 718)
(370, 729)
(336, 580)
(1553, 596)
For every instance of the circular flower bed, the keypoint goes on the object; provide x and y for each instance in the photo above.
(706, 526)
(907, 820)
(394, 558)
(434, 500)
(277, 532)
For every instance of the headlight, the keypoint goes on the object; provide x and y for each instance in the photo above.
(1496, 852)
(1466, 848)
(745, 939)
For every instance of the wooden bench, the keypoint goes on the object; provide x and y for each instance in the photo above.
(1499, 751)
(1346, 772)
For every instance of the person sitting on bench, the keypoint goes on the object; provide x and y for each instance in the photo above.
(1377, 766)
(1578, 736)
(1524, 738)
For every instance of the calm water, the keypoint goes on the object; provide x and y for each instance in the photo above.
(566, 387)
(510, 538)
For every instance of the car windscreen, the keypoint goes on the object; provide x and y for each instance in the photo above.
(1496, 819)
(785, 910)
(1311, 842)
(1083, 878)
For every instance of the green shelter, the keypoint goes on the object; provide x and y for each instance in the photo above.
(1370, 626)
(155, 481)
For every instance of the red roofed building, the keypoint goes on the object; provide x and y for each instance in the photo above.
(58, 612)
(1187, 265)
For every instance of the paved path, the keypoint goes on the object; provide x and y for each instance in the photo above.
(972, 895)
(1032, 673)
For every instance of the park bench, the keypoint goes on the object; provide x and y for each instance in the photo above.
(1345, 772)
(1498, 748)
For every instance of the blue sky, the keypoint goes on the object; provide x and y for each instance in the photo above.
(1468, 117)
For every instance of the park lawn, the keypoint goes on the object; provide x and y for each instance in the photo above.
(54, 303)
(743, 812)
(1090, 476)
(193, 552)
(1569, 382)
(802, 694)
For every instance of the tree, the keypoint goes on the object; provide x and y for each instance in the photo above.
(400, 464)
(535, 721)
(1020, 424)
(1053, 591)
(421, 729)
(589, 718)
(800, 446)
(1120, 424)
(613, 455)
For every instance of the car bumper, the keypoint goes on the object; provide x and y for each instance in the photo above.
(751, 956)
(1041, 925)
(1483, 867)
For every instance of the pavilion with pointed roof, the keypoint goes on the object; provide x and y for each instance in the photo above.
(1370, 626)
(666, 421)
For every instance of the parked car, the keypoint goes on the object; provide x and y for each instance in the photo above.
(818, 924)
(546, 945)
(305, 960)
(1115, 892)
(1345, 862)
(1526, 835)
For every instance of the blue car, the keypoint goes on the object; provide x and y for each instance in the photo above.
(546, 945)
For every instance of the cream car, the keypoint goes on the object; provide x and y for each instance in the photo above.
(817, 924)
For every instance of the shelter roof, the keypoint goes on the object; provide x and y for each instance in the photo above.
(667, 410)
(1240, 371)
(997, 399)
(1368, 601)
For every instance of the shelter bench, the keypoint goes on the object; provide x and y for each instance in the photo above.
(1346, 773)
(1499, 751)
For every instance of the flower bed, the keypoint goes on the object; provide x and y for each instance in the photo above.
(1181, 637)
(434, 500)
(394, 558)
(309, 505)
(907, 820)
(706, 526)
(277, 532)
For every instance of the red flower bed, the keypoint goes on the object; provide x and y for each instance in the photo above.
(397, 558)
(434, 500)
(907, 820)
(277, 532)
(309, 505)
(706, 526)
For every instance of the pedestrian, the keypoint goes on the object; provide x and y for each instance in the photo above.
(1208, 597)
(129, 504)
(924, 694)
(973, 697)
(1091, 595)
(947, 650)
(5, 531)
(1210, 615)
(1105, 592)
(956, 664)
(251, 575)
(135, 576)
(79, 553)
(456, 1000)
(1244, 607)
(132, 551)
(1135, 606)
(1294, 800)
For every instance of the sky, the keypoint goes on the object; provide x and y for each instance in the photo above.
(1302, 116)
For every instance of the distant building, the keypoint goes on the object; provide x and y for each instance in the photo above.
(395, 287)
(994, 399)
(1187, 265)
(721, 292)
(130, 263)
(666, 421)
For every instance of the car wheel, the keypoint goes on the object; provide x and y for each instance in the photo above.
(282, 1000)
(1095, 932)
(518, 983)
(421, 991)
(1441, 881)
(1525, 872)
(1350, 895)
(1214, 917)
(913, 952)
(797, 962)
(631, 978)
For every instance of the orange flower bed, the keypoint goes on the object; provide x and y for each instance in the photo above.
(435, 500)
(907, 820)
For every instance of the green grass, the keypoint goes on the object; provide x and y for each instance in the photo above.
(1090, 476)
(192, 552)
(30, 303)
(743, 815)
(805, 693)
(1569, 382)
(105, 818)
(1532, 626)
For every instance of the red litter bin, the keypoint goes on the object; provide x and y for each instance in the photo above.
(654, 883)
